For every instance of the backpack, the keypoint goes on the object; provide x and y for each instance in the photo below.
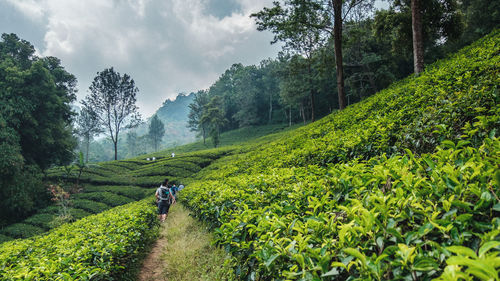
(164, 193)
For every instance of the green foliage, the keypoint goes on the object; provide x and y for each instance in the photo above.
(156, 131)
(105, 197)
(402, 185)
(41, 220)
(35, 124)
(88, 127)
(76, 214)
(92, 207)
(21, 230)
(112, 101)
(4, 238)
(133, 192)
(100, 247)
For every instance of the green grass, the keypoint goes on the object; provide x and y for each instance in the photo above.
(189, 253)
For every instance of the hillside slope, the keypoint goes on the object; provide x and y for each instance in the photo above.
(402, 186)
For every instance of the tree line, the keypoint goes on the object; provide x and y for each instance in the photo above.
(335, 53)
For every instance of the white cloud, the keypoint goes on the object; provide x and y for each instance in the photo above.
(167, 46)
(31, 8)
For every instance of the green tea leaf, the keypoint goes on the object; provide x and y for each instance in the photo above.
(488, 246)
(461, 250)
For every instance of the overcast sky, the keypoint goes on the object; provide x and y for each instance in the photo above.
(166, 46)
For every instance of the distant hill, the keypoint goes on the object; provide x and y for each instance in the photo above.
(176, 110)
(174, 115)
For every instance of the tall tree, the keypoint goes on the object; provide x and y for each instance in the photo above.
(337, 38)
(214, 116)
(156, 131)
(295, 86)
(296, 17)
(298, 24)
(88, 127)
(132, 143)
(417, 28)
(270, 69)
(112, 98)
(196, 110)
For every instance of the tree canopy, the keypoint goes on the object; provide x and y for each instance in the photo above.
(113, 99)
(156, 131)
(35, 123)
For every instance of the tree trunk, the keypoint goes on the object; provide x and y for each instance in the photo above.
(303, 113)
(270, 106)
(337, 36)
(115, 143)
(418, 44)
(311, 91)
(87, 152)
(290, 116)
(370, 75)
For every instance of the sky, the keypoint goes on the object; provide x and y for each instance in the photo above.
(166, 46)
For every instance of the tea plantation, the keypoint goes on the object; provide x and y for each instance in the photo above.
(401, 186)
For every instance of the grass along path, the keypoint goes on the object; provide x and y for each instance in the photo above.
(183, 251)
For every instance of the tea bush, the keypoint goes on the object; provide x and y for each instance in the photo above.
(21, 230)
(105, 197)
(100, 247)
(4, 238)
(77, 213)
(130, 191)
(92, 207)
(41, 220)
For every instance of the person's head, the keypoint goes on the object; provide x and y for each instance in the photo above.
(165, 182)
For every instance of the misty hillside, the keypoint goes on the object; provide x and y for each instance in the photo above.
(173, 114)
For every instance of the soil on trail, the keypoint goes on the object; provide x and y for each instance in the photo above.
(152, 267)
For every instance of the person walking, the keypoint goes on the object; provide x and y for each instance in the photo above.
(174, 189)
(164, 199)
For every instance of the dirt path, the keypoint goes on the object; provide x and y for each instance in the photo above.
(153, 267)
(183, 251)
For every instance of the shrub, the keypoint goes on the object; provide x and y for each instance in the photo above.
(403, 185)
(4, 238)
(134, 192)
(21, 230)
(77, 214)
(100, 247)
(41, 220)
(89, 206)
(49, 210)
(107, 198)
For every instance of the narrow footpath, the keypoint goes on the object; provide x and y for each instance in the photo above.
(183, 251)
